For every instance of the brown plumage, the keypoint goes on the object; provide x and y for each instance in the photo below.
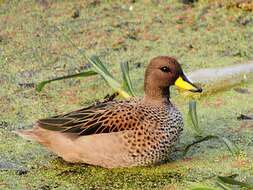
(120, 133)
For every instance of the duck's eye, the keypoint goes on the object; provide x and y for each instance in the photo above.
(165, 69)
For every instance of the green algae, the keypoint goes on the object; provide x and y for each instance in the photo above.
(203, 35)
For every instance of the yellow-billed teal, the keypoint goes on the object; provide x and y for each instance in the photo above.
(121, 133)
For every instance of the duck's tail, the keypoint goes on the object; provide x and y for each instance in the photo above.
(35, 134)
(60, 143)
(27, 134)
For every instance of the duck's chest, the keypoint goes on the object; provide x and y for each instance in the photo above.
(165, 119)
(172, 120)
(162, 126)
(168, 128)
(155, 136)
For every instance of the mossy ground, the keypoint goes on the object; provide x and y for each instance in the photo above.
(32, 49)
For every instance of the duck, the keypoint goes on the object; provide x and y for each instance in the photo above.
(138, 131)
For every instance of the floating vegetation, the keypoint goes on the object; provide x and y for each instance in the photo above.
(203, 34)
(200, 137)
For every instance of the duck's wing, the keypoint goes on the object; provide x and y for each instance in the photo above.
(107, 117)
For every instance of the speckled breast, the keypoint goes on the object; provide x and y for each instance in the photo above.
(158, 133)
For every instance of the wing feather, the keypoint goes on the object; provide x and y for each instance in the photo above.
(103, 118)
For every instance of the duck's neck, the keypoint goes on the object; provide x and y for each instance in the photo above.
(157, 95)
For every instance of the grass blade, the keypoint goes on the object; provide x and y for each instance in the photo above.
(232, 181)
(231, 146)
(87, 73)
(203, 188)
(198, 186)
(100, 67)
(223, 186)
(127, 84)
(192, 114)
(102, 70)
(206, 138)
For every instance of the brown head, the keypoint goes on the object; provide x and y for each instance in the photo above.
(163, 72)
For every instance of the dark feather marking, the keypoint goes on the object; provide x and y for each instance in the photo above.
(103, 118)
(92, 130)
(79, 115)
(54, 121)
(104, 129)
(72, 130)
(90, 120)
(116, 128)
(100, 129)
(50, 127)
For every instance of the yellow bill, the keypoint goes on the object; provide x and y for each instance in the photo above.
(185, 84)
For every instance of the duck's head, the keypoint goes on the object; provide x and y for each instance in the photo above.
(163, 72)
